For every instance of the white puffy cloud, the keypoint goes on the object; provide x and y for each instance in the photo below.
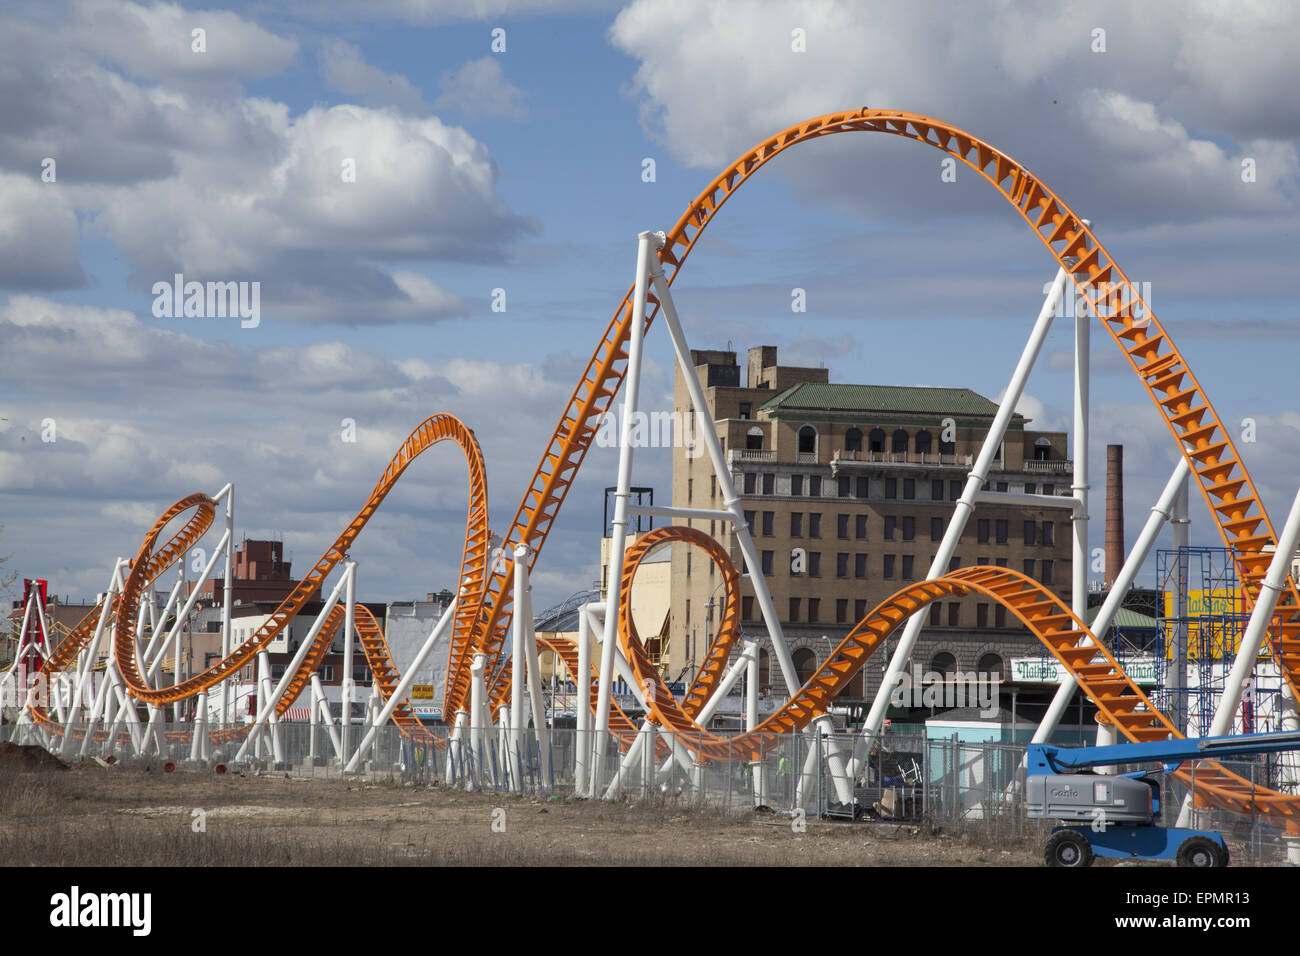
(1124, 133)
(39, 238)
(158, 42)
(159, 414)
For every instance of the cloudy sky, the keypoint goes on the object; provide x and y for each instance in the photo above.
(380, 168)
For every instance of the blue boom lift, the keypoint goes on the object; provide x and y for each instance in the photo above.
(1122, 811)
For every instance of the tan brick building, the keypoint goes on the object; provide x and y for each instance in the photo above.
(847, 490)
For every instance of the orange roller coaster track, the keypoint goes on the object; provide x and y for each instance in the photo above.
(485, 595)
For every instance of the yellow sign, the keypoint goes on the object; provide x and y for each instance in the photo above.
(421, 692)
(1215, 623)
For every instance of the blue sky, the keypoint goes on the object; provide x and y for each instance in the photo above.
(522, 170)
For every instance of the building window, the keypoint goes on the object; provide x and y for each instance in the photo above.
(909, 527)
(889, 566)
(842, 526)
(859, 565)
(1049, 534)
(898, 443)
(909, 488)
(277, 671)
(796, 486)
(1049, 489)
(990, 664)
(794, 610)
(768, 518)
(814, 610)
(946, 447)
(1029, 532)
(954, 614)
(807, 440)
(982, 614)
(841, 610)
(688, 610)
(891, 487)
(999, 616)
(815, 486)
(944, 662)
(1042, 449)
(936, 489)
(890, 523)
(842, 565)
(954, 563)
(853, 440)
(923, 442)
(754, 439)
(745, 408)
(1002, 486)
(844, 486)
(814, 564)
(954, 489)
(862, 487)
(769, 484)
(1029, 567)
(1048, 568)
(690, 489)
(689, 552)
(361, 674)
(1001, 528)
(860, 529)
(749, 522)
(982, 531)
(796, 524)
(1000, 562)
(936, 614)
(936, 529)
(1030, 488)
(751, 482)
(859, 609)
(909, 563)
(805, 662)
(815, 524)
(876, 440)
(327, 673)
(767, 563)
(747, 607)
(982, 560)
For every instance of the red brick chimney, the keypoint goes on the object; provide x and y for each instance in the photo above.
(1114, 512)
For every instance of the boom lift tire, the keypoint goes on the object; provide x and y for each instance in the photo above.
(1069, 848)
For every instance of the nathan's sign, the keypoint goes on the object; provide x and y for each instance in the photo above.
(1037, 670)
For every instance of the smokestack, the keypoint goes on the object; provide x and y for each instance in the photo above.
(1114, 512)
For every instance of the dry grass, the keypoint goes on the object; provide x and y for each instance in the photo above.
(93, 816)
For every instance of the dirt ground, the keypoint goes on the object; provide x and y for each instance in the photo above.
(136, 815)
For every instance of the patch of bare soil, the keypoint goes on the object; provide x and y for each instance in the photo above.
(126, 817)
(19, 759)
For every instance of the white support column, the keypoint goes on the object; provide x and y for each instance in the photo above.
(199, 737)
(1261, 616)
(267, 705)
(524, 606)
(476, 709)
(707, 431)
(961, 513)
(318, 695)
(519, 621)
(582, 711)
(618, 529)
(1119, 590)
(412, 672)
(349, 627)
(1079, 520)
(227, 585)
